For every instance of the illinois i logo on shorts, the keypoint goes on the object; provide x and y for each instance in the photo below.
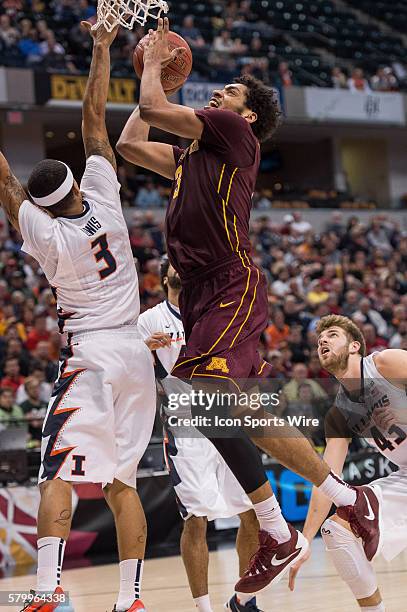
(218, 363)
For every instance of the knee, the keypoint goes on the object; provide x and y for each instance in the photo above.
(195, 527)
(55, 487)
(117, 493)
(336, 533)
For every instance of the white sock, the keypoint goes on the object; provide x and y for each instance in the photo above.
(243, 598)
(131, 573)
(269, 515)
(203, 603)
(338, 491)
(379, 608)
(50, 558)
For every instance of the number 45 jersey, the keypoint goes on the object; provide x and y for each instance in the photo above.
(87, 258)
(361, 418)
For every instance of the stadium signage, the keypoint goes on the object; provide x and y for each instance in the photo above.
(197, 95)
(72, 88)
(339, 105)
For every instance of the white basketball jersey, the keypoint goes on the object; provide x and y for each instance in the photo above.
(165, 317)
(87, 258)
(378, 393)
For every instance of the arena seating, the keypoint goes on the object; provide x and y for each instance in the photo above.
(294, 31)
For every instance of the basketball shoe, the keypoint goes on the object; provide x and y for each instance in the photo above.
(137, 606)
(272, 560)
(365, 519)
(45, 606)
(235, 606)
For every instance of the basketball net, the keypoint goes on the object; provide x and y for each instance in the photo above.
(126, 13)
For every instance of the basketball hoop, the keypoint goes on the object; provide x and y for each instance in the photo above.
(111, 13)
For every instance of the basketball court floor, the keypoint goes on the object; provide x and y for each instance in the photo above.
(93, 589)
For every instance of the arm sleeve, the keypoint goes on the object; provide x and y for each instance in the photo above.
(229, 135)
(38, 231)
(100, 183)
(177, 151)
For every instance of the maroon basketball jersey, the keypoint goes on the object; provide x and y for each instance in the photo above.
(207, 220)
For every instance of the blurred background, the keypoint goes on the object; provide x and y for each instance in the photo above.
(329, 223)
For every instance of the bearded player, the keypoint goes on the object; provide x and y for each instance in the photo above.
(223, 301)
(205, 488)
(371, 403)
(102, 409)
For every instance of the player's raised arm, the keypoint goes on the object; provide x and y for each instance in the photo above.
(12, 194)
(155, 109)
(94, 132)
(133, 145)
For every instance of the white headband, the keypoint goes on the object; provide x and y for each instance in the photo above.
(59, 194)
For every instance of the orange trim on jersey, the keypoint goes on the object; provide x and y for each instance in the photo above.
(224, 204)
(58, 410)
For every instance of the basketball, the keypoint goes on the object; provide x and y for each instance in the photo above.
(177, 71)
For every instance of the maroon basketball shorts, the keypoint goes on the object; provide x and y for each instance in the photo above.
(224, 314)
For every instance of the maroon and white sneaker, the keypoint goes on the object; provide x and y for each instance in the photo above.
(272, 560)
(365, 519)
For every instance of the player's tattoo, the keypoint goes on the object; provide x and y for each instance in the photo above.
(96, 146)
(64, 518)
(12, 195)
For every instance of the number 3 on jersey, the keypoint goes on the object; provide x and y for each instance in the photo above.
(104, 254)
(178, 177)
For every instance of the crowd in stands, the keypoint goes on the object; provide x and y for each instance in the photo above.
(348, 268)
(226, 38)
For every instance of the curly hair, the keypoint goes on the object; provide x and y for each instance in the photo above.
(351, 330)
(265, 102)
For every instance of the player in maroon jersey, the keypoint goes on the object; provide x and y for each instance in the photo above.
(224, 299)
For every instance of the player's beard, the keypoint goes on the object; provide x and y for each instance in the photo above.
(337, 363)
(174, 282)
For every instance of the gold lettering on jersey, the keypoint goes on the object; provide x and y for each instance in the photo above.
(218, 363)
(72, 88)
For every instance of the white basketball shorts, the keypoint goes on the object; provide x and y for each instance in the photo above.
(101, 412)
(394, 512)
(203, 483)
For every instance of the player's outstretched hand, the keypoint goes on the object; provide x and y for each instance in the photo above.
(296, 568)
(157, 49)
(158, 340)
(100, 35)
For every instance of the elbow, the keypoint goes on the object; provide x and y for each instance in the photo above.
(146, 111)
(121, 147)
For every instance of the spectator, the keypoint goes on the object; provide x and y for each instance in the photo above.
(299, 377)
(377, 237)
(357, 82)
(149, 196)
(8, 34)
(338, 78)
(278, 331)
(367, 314)
(34, 410)
(285, 76)
(10, 413)
(12, 378)
(42, 361)
(373, 341)
(38, 333)
(384, 80)
(29, 45)
(192, 34)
